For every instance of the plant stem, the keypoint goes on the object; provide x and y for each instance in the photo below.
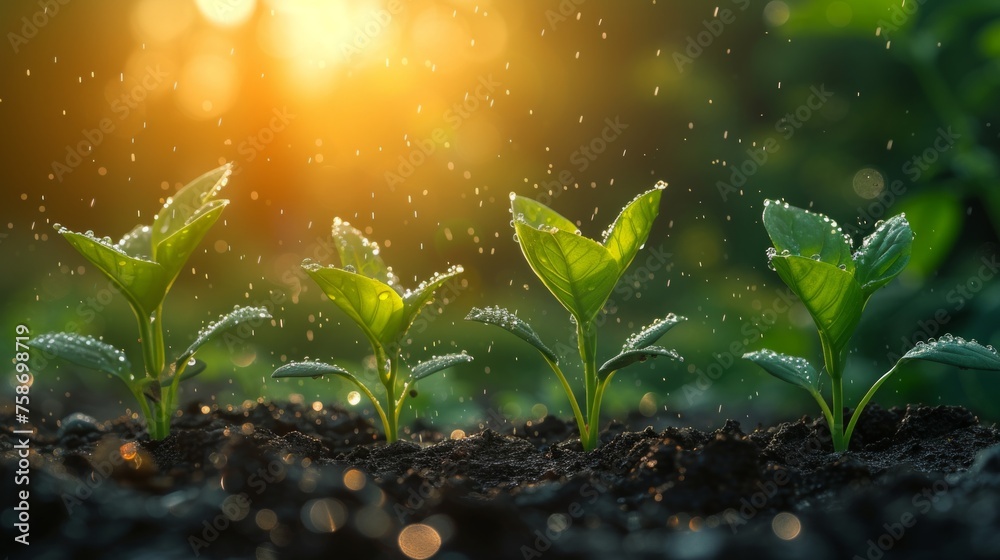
(392, 411)
(586, 336)
(864, 402)
(151, 340)
(833, 358)
(581, 422)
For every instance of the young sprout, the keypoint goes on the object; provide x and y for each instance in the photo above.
(581, 273)
(814, 258)
(143, 266)
(370, 294)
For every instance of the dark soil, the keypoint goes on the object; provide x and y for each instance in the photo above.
(290, 482)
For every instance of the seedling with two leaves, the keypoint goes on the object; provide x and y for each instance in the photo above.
(581, 273)
(814, 258)
(143, 266)
(368, 292)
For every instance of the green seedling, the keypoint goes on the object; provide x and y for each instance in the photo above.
(581, 273)
(814, 258)
(143, 266)
(370, 294)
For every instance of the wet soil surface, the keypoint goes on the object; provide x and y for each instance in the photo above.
(286, 481)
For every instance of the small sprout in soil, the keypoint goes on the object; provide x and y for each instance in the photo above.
(143, 266)
(370, 294)
(814, 258)
(581, 273)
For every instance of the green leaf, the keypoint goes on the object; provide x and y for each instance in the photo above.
(85, 351)
(311, 369)
(651, 333)
(578, 271)
(806, 234)
(186, 203)
(883, 255)
(831, 295)
(137, 243)
(414, 301)
(436, 364)
(143, 283)
(513, 324)
(194, 367)
(631, 228)
(233, 319)
(938, 216)
(376, 308)
(629, 357)
(538, 215)
(175, 250)
(360, 254)
(790, 369)
(955, 351)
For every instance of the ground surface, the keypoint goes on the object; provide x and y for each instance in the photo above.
(285, 481)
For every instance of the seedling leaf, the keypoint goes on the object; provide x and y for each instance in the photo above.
(806, 234)
(85, 351)
(831, 295)
(414, 301)
(955, 351)
(791, 369)
(360, 254)
(175, 250)
(232, 319)
(513, 324)
(144, 283)
(374, 306)
(311, 369)
(651, 333)
(538, 215)
(883, 254)
(436, 364)
(631, 228)
(186, 202)
(629, 357)
(137, 242)
(578, 271)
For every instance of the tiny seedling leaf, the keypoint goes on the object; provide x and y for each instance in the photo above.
(631, 228)
(414, 301)
(173, 251)
(186, 203)
(85, 351)
(138, 242)
(806, 234)
(311, 369)
(578, 271)
(436, 364)
(374, 306)
(538, 215)
(651, 333)
(831, 295)
(791, 369)
(955, 351)
(194, 367)
(232, 319)
(883, 254)
(358, 253)
(629, 357)
(144, 283)
(513, 324)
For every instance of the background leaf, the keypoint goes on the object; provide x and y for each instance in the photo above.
(374, 306)
(85, 351)
(955, 351)
(631, 228)
(578, 271)
(804, 233)
(883, 255)
(831, 295)
(513, 324)
(436, 364)
(791, 369)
